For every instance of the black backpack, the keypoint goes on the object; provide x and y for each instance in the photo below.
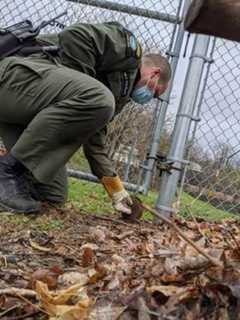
(20, 38)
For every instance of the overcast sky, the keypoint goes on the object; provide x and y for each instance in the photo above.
(220, 107)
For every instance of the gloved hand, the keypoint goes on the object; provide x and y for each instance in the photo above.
(122, 202)
(121, 199)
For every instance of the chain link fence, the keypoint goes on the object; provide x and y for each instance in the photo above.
(153, 22)
(216, 147)
(215, 150)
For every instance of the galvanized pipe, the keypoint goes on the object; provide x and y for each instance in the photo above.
(163, 105)
(169, 182)
(90, 177)
(199, 106)
(129, 10)
(198, 113)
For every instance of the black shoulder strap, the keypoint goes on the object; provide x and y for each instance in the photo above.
(21, 37)
(26, 51)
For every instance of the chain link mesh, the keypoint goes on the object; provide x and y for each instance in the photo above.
(131, 132)
(217, 143)
(216, 148)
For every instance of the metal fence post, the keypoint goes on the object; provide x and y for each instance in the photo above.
(169, 182)
(161, 115)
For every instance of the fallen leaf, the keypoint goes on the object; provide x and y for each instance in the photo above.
(71, 278)
(88, 257)
(143, 310)
(46, 276)
(108, 312)
(166, 253)
(98, 234)
(114, 283)
(55, 304)
(166, 290)
(92, 246)
(96, 274)
(36, 246)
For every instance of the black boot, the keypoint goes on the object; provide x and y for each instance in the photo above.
(14, 188)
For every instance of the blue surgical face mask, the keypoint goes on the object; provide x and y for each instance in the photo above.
(142, 95)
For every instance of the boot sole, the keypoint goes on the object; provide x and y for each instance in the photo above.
(8, 209)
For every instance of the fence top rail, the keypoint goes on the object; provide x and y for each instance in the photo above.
(130, 10)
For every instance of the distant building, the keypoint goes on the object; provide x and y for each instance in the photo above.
(125, 153)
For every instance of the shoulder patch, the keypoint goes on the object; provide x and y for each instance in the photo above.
(138, 51)
(133, 43)
(133, 48)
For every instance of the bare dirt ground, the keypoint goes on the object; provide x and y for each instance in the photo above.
(100, 267)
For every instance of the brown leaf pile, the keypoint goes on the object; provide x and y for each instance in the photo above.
(105, 268)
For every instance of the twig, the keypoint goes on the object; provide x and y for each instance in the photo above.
(16, 292)
(114, 221)
(180, 233)
(9, 310)
(124, 235)
(143, 311)
(22, 294)
(31, 304)
(24, 316)
(197, 225)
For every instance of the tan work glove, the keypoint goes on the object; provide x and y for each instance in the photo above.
(121, 199)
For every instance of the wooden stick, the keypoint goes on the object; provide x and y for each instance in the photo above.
(181, 234)
(18, 292)
(27, 315)
(23, 294)
(116, 221)
(197, 225)
(9, 310)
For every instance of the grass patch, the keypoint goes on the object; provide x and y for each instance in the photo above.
(203, 209)
(42, 223)
(79, 162)
(49, 225)
(91, 197)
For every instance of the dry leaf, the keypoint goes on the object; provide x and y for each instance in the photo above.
(46, 276)
(114, 283)
(96, 274)
(166, 253)
(107, 312)
(88, 257)
(36, 246)
(55, 304)
(98, 234)
(92, 246)
(166, 290)
(71, 278)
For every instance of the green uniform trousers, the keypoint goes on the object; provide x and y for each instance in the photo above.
(47, 111)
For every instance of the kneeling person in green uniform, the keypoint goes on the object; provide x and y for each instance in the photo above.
(51, 105)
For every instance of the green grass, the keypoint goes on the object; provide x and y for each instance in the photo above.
(91, 197)
(30, 222)
(79, 161)
(203, 209)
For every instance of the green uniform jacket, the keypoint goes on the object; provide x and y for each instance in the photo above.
(111, 54)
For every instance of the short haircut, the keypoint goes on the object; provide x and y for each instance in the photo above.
(157, 60)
